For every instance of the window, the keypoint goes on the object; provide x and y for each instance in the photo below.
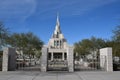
(65, 56)
(49, 56)
(54, 43)
(60, 43)
(57, 43)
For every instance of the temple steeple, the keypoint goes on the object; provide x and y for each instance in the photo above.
(58, 22)
(57, 30)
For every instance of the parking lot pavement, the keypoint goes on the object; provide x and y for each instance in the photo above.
(81, 75)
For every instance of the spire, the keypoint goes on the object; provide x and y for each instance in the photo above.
(58, 22)
(57, 28)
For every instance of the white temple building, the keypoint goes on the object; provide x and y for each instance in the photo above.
(57, 54)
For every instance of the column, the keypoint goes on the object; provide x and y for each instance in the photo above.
(5, 60)
(70, 58)
(61, 44)
(63, 56)
(44, 59)
(51, 56)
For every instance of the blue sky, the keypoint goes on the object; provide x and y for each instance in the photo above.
(79, 19)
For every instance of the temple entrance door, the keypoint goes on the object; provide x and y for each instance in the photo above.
(57, 63)
(57, 56)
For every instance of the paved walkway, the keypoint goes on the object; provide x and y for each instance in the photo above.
(36, 75)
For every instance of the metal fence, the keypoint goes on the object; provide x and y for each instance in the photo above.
(27, 64)
(87, 63)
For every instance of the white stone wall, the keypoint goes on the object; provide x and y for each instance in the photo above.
(106, 60)
(9, 59)
(44, 59)
(5, 60)
(70, 59)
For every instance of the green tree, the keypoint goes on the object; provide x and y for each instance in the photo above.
(115, 42)
(115, 47)
(82, 48)
(34, 45)
(3, 35)
(27, 42)
(116, 34)
(87, 46)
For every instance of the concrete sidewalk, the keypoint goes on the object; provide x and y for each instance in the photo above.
(36, 75)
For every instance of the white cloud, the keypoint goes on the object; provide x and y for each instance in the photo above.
(16, 9)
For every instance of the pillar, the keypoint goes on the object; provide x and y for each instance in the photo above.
(44, 59)
(63, 56)
(9, 59)
(106, 60)
(59, 44)
(5, 60)
(52, 55)
(70, 59)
